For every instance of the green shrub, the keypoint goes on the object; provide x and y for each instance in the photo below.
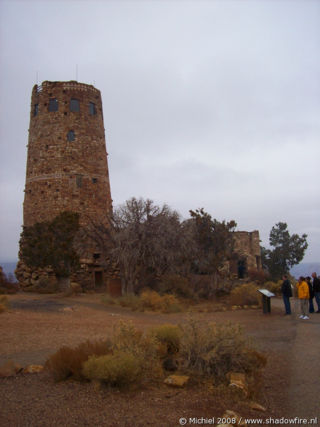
(216, 349)
(169, 336)
(117, 370)
(67, 362)
(245, 294)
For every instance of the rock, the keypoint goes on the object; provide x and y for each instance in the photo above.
(33, 369)
(177, 380)
(231, 415)
(234, 307)
(256, 406)
(75, 287)
(67, 309)
(238, 380)
(10, 369)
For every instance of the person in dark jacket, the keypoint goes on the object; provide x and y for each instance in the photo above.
(286, 291)
(311, 294)
(316, 289)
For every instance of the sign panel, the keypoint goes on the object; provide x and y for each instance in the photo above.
(266, 293)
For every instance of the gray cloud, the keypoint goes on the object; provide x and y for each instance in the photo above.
(206, 104)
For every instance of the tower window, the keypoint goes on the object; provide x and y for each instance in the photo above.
(35, 109)
(53, 104)
(71, 136)
(92, 109)
(74, 105)
(94, 180)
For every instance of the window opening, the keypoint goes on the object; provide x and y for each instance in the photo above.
(94, 180)
(53, 104)
(74, 105)
(71, 136)
(36, 109)
(92, 109)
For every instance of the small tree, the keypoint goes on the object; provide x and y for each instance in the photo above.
(288, 250)
(50, 243)
(213, 242)
(148, 242)
(143, 240)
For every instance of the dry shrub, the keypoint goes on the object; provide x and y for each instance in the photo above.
(151, 300)
(117, 370)
(259, 276)
(132, 301)
(216, 349)
(274, 287)
(108, 300)
(128, 339)
(169, 337)
(245, 294)
(67, 362)
(4, 303)
(175, 284)
(148, 300)
(7, 283)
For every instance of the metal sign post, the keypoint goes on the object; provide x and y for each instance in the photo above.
(266, 300)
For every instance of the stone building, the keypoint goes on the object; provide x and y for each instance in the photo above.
(247, 253)
(67, 170)
(67, 167)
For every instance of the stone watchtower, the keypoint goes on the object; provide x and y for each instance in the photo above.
(67, 167)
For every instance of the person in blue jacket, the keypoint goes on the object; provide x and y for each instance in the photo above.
(286, 291)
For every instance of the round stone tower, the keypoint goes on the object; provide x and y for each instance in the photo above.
(67, 170)
(67, 166)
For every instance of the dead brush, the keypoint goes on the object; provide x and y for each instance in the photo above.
(168, 336)
(216, 349)
(245, 294)
(67, 362)
(4, 303)
(167, 303)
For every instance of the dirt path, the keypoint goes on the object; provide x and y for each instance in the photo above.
(304, 390)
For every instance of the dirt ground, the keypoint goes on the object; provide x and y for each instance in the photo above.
(38, 325)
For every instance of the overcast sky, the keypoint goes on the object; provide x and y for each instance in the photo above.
(212, 104)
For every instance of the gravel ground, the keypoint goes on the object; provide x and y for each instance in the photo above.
(36, 326)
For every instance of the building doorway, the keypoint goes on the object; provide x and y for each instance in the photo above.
(98, 279)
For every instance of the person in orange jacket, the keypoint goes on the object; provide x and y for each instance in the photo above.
(303, 295)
